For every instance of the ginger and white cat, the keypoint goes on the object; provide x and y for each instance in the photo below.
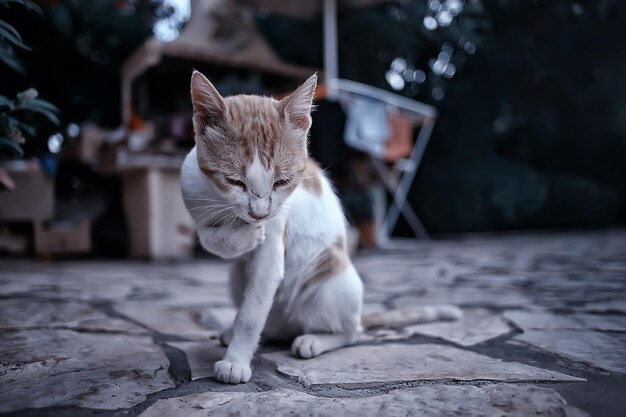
(258, 199)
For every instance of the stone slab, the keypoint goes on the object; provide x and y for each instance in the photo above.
(45, 368)
(199, 296)
(598, 349)
(543, 320)
(466, 296)
(201, 356)
(383, 334)
(395, 363)
(128, 281)
(612, 306)
(476, 326)
(425, 401)
(167, 320)
(64, 287)
(24, 314)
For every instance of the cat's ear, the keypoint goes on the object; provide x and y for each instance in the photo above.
(296, 107)
(208, 104)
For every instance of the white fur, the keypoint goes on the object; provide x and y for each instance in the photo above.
(268, 292)
(246, 219)
(267, 281)
(260, 182)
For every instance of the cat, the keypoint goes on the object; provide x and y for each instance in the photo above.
(257, 198)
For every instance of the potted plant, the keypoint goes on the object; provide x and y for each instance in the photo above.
(19, 116)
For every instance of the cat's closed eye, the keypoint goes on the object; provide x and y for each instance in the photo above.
(281, 183)
(236, 183)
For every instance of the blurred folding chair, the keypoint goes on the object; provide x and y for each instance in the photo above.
(354, 97)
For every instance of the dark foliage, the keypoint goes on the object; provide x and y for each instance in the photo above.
(531, 130)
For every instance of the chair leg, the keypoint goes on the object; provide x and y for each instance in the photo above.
(396, 206)
(399, 196)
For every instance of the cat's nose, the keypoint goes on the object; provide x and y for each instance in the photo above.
(257, 216)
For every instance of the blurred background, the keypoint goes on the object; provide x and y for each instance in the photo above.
(525, 99)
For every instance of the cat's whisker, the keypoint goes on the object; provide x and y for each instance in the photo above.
(215, 215)
(203, 213)
(325, 170)
(203, 206)
(195, 210)
(292, 238)
(197, 203)
(231, 222)
(216, 202)
(223, 225)
(203, 199)
(202, 220)
(208, 217)
(220, 224)
(218, 212)
(296, 231)
(230, 217)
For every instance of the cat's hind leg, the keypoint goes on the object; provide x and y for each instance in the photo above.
(310, 345)
(331, 315)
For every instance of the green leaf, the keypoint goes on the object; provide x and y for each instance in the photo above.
(8, 145)
(12, 123)
(31, 6)
(16, 124)
(26, 3)
(28, 129)
(43, 104)
(9, 59)
(50, 115)
(11, 29)
(12, 35)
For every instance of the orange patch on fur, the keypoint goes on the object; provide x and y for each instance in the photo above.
(214, 177)
(251, 125)
(312, 177)
(330, 262)
(231, 131)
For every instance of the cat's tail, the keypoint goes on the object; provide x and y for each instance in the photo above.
(411, 315)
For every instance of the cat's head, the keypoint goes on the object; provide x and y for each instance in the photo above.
(252, 148)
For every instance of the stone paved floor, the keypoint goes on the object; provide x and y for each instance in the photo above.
(543, 334)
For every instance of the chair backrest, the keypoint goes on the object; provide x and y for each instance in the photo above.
(379, 123)
(413, 108)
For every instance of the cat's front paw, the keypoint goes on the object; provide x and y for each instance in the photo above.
(232, 372)
(247, 237)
